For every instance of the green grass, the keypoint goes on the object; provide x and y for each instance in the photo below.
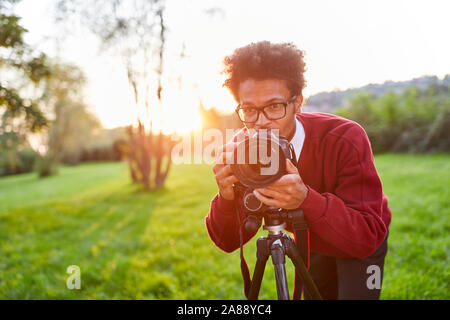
(135, 245)
(418, 188)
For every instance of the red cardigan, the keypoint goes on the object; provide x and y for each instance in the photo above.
(346, 210)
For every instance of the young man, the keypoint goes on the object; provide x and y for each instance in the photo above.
(335, 182)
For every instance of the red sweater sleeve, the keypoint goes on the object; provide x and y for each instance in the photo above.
(349, 219)
(223, 225)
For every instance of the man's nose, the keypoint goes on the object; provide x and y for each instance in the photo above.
(262, 121)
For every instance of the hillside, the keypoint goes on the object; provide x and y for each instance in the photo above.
(329, 101)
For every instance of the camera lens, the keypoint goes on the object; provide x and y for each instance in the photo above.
(259, 160)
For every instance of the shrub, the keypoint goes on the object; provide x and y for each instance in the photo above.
(16, 162)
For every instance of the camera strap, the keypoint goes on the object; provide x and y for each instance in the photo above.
(301, 236)
(244, 267)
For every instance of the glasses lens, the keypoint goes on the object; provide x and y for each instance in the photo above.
(275, 111)
(248, 114)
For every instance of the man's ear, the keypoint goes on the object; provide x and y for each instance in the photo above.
(299, 101)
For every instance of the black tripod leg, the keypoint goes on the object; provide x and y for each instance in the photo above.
(279, 262)
(262, 254)
(301, 270)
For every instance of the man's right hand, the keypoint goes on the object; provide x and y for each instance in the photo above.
(222, 171)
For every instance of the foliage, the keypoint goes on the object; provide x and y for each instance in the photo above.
(19, 58)
(411, 121)
(22, 68)
(72, 125)
(103, 145)
(330, 101)
(17, 161)
(134, 245)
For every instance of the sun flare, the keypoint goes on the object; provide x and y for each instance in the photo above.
(179, 113)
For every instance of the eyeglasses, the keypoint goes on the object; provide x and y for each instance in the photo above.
(273, 111)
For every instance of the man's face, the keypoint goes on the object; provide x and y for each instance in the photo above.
(259, 93)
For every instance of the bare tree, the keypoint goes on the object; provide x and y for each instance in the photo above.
(136, 31)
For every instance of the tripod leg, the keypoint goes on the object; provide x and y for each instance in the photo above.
(279, 261)
(262, 254)
(301, 270)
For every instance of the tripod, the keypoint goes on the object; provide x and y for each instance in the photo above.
(278, 244)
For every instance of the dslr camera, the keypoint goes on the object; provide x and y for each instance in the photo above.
(259, 161)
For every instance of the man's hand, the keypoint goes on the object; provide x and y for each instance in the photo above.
(288, 192)
(223, 173)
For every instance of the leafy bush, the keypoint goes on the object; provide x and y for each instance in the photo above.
(15, 162)
(411, 121)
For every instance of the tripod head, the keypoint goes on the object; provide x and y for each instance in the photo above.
(275, 220)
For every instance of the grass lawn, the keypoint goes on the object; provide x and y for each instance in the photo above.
(135, 245)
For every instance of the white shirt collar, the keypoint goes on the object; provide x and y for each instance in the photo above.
(298, 138)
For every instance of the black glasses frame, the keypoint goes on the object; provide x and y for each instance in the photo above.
(261, 109)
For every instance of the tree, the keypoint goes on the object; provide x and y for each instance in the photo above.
(71, 125)
(136, 31)
(22, 69)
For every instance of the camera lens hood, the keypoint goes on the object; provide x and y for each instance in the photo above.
(259, 160)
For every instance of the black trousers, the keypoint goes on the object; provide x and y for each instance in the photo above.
(347, 279)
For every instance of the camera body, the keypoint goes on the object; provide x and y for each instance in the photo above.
(259, 161)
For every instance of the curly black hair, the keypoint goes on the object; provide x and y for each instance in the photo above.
(265, 60)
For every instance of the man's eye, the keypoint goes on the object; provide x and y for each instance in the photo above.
(276, 106)
(249, 110)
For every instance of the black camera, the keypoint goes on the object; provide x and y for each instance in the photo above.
(259, 161)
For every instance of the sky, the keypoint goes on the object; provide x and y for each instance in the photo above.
(346, 44)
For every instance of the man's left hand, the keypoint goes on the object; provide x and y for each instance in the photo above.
(288, 192)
